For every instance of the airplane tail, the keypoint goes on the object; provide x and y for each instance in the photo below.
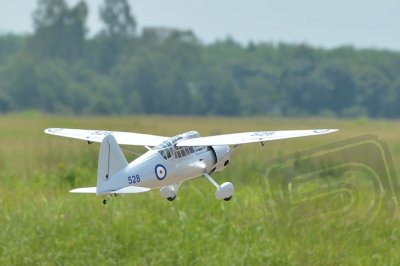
(111, 161)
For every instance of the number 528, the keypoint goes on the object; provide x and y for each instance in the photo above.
(133, 179)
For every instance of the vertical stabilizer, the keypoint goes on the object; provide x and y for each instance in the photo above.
(111, 161)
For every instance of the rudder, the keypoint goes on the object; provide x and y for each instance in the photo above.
(111, 161)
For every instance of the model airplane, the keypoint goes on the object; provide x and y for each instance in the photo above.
(168, 161)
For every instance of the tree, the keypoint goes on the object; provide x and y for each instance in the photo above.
(5, 103)
(117, 17)
(120, 29)
(169, 71)
(11, 44)
(19, 82)
(59, 31)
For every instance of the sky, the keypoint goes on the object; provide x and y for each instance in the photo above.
(320, 23)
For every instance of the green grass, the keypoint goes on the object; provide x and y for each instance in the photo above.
(42, 224)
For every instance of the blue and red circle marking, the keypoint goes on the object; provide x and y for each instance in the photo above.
(161, 171)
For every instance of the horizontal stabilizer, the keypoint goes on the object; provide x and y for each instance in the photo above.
(125, 190)
(84, 190)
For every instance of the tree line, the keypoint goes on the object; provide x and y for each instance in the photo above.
(60, 69)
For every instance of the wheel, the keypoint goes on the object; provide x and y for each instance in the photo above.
(228, 199)
(104, 201)
(171, 198)
(224, 191)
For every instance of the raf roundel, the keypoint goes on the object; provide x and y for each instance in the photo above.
(161, 171)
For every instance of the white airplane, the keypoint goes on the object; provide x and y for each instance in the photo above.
(168, 161)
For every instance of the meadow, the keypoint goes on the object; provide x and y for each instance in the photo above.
(42, 224)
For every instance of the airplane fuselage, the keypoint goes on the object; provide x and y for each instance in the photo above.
(168, 164)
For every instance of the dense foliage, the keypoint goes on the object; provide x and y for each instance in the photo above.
(60, 69)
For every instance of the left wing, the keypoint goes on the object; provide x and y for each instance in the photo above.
(122, 138)
(250, 137)
(125, 190)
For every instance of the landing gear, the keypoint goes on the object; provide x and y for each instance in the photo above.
(228, 199)
(169, 192)
(108, 198)
(224, 191)
(171, 198)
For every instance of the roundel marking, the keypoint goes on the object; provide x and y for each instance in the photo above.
(160, 171)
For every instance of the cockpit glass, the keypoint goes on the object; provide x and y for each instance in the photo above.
(168, 148)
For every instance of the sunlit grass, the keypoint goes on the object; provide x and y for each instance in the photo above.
(42, 224)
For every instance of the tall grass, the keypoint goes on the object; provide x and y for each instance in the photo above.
(42, 224)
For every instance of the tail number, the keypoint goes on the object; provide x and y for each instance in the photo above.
(133, 179)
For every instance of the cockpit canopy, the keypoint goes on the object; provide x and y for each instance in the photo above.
(168, 148)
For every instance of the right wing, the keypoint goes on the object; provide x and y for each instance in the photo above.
(131, 189)
(250, 137)
(122, 138)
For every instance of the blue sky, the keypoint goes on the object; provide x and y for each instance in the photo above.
(363, 24)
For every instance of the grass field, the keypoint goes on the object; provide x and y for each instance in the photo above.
(42, 224)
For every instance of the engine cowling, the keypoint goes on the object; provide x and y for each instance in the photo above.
(222, 155)
(224, 191)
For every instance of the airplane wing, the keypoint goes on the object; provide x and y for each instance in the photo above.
(125, 190)
(85, 190)
(250, 137)
(122, 138)
(131, 189)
